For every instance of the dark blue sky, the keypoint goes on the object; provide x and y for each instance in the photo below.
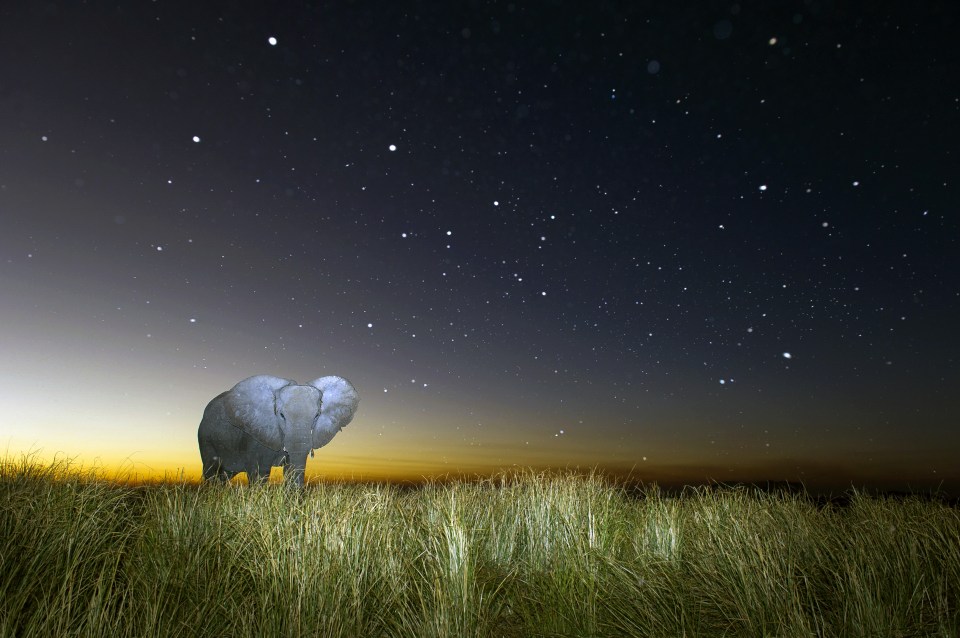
(501, 221)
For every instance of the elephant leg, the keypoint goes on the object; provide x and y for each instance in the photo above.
(223, 476)
(214, 471)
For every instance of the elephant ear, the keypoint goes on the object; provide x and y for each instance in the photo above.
(339, 403)
(251, 406)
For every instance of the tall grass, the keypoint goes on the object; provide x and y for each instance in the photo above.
(521, 555)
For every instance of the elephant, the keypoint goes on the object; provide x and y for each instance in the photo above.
(265, 421)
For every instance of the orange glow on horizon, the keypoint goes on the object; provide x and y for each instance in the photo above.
(411, 472)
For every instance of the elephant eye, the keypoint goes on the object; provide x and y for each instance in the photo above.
(282, 416)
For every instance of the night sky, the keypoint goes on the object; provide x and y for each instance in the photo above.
(717, 242)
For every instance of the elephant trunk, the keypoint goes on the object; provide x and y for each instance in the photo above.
(294, 472)
(298, 448)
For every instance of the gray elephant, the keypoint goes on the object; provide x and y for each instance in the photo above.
(266, 421)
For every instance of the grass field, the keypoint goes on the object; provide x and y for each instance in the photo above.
(523, 555)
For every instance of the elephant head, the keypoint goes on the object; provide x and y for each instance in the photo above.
(266, 420)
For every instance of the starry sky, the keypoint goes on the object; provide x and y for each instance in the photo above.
(716, 242)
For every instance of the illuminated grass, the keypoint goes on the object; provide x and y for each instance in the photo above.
(523, 555)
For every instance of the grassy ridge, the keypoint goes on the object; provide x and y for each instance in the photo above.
(530, 555)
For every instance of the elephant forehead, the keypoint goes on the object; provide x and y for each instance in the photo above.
(300, 398)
